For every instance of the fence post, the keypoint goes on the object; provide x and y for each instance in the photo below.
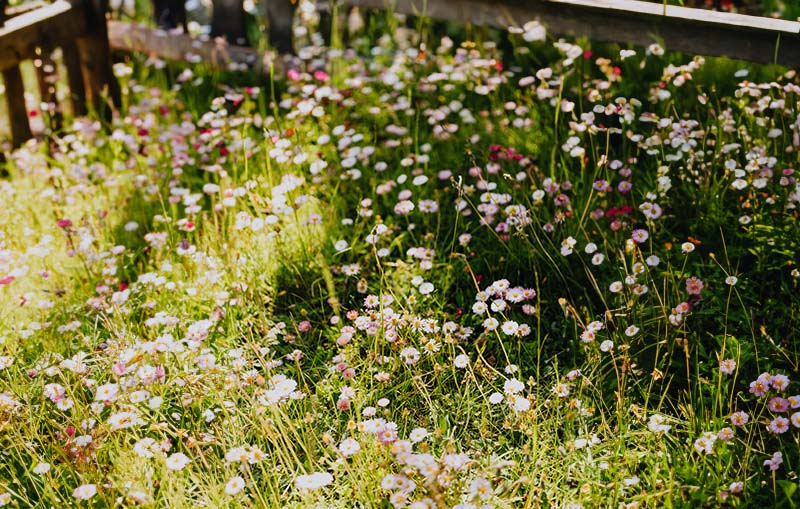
(227, 20)
(280, 14)
(77, 90)
(15, 98)
(15, 101)
(170, 14)
(95, 58)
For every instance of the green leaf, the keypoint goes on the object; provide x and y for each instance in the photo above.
(789, 489)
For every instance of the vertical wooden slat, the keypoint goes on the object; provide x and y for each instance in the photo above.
(280, 14)
(15, 102)
(77, 90)
(170, 14)
(227, 20)
(95, 60)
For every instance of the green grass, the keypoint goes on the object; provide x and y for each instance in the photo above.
(280, 309)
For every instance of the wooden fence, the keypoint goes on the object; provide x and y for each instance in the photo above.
(696, 31)
(80, 30)
(217, 53)
(33, 32)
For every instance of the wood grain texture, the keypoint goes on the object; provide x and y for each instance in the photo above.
(214, 52)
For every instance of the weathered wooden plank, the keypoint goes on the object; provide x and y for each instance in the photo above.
(15, 102)
(49, 27)
(95, 58)
(77, 90)
(612, 7)
(215, 52)
(695, 31)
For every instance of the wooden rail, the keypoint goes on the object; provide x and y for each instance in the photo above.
(215, 52)
(696, 31)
